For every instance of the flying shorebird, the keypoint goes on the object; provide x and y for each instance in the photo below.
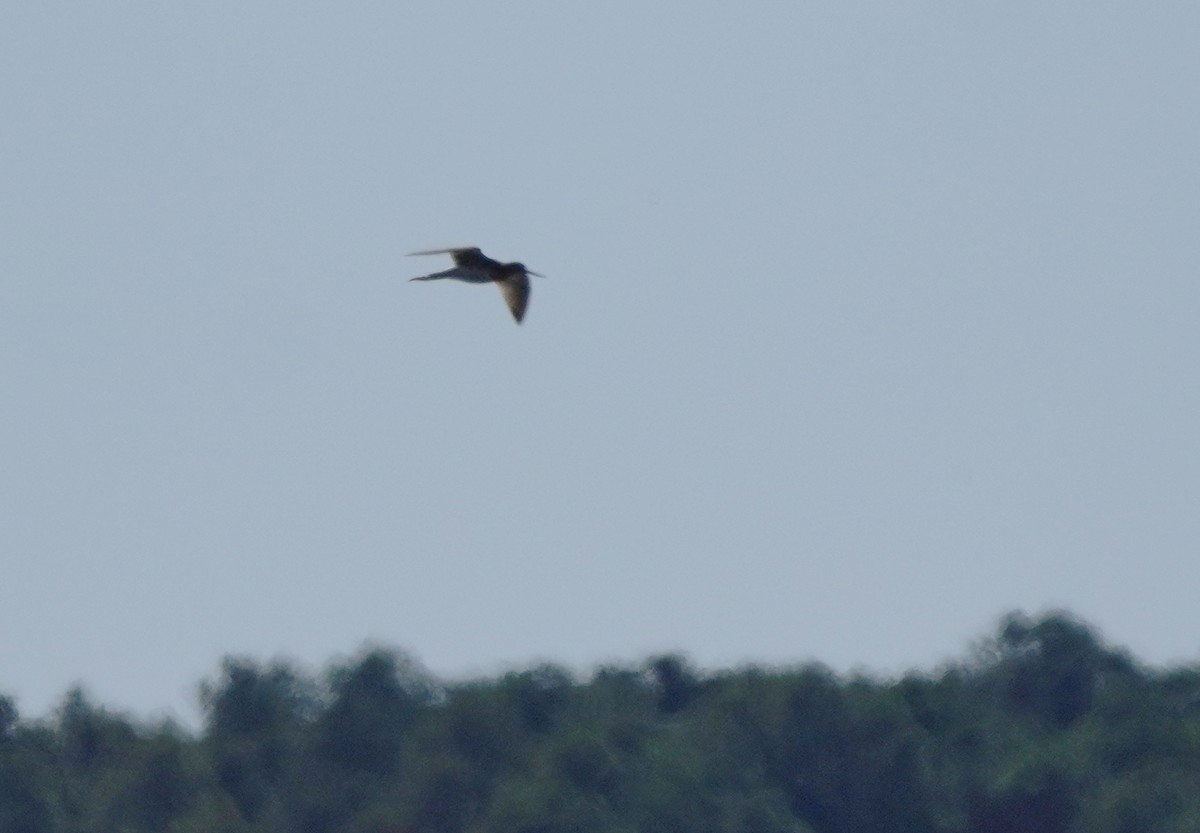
(473, 266)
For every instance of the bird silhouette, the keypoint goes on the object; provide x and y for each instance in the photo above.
(473, 266)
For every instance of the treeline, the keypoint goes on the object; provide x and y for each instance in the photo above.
(1041, 729)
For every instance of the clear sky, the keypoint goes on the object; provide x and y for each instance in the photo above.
(864, 324)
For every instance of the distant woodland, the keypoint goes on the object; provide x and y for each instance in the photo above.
(1040, 729)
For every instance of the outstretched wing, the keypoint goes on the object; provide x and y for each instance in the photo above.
(466, 256)
(515, 289)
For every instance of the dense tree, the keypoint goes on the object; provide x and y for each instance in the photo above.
(258, 723)
(1043, 729)
(28, 775)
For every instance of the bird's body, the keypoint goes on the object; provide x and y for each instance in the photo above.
(473, 266)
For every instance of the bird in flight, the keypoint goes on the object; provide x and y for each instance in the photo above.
(473, 266)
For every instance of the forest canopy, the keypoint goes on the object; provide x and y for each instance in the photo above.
(1041, 728)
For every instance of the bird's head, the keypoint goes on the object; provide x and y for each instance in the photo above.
(519, 269)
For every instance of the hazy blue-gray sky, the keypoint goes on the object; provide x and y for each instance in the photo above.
(865, 323)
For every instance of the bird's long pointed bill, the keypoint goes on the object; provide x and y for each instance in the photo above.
(535, 274)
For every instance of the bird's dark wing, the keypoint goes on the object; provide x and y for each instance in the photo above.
(466, 256)
(515, 289)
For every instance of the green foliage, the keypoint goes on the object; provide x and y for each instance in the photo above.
(259, 721)
(1043, 730)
